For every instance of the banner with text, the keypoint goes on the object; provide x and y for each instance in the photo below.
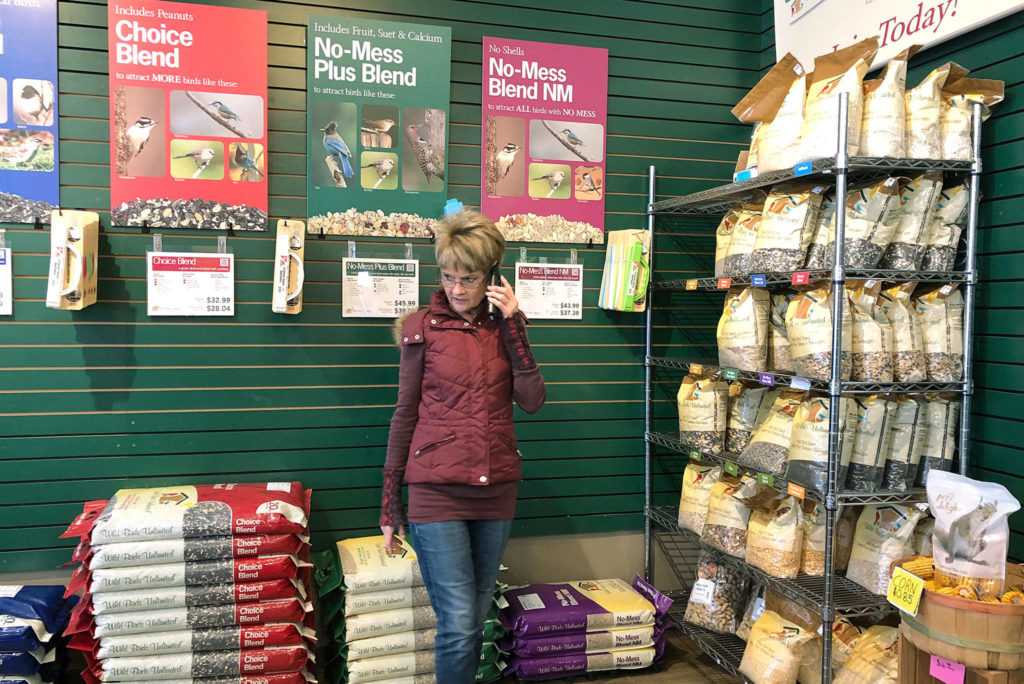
(543, 140)
(29, 178)
(188, 115)
(377, 114)
(809, 28)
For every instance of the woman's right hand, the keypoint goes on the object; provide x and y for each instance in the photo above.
(392, 543)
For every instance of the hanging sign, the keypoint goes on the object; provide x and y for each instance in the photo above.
(6, 285)
(190, 284)
(29, 180)
(188, 112)
(808, 28)
(543, 140)
(379, 288)
(552, 291)
(377, 116)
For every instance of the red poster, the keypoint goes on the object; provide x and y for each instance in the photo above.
(543, 140)
(188, 115)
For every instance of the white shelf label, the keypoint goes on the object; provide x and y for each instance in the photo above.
(551, 291)
(6, 284)
(379, 288)
(190, 284)
(703, 592)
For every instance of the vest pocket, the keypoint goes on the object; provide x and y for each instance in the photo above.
(424, 454)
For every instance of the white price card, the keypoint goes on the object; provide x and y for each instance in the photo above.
(190, 284)
(703, 592)
(550, 290)
(379, 288)
(6, 286)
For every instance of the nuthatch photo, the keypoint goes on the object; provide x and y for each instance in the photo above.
(225, 111)
(573, 138)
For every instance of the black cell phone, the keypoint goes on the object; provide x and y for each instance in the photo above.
(493, 278)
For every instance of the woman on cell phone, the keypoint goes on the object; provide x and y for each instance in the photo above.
(452, 440)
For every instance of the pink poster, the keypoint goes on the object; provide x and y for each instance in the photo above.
(545, 110)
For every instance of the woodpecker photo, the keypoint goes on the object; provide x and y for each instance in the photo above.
(337, 148)
(137, 136)
(504, 159)
(424, 153)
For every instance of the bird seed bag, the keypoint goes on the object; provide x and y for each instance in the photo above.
(956, 129)
(923, 111)
(718, 596)
(906, 444)
(703, 403)
(788, 219)
(744, 234)
(779, 357)
(776, 104)
(774, 650)
(768, 450)
(696, 492)
(775, 537)
(871, 359)
(920, 198)
(835, 72)
(940, 316)
(971, 532)
(743, 329)
(909, 361)
(942, 420)
(723, 235)
(744, 405)
(884, 535)
(809, 325)
(808, 449)
(873, 660)
(884, 118)
(875, 414)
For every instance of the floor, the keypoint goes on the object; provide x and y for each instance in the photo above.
(683, 663)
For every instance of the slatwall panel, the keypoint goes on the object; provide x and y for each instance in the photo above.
(107, 398)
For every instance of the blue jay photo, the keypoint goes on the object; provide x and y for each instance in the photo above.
(245, 162)
(337, 148)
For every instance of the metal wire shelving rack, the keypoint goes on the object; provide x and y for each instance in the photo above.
(830, 596)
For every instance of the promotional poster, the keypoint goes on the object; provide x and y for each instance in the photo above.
(543, 140)
(808, 28)
(29, 177)
(188, 116)
(377, 103)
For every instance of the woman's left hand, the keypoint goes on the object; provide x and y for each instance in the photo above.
(503, 297)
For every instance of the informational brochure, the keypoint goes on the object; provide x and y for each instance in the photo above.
(190, 284)
(379, 288)
(550, 290)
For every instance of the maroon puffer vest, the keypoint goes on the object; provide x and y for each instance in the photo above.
(464, 433)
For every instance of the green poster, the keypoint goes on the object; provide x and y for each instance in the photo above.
(377, 103)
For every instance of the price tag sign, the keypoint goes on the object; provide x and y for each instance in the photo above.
(802, 169)
(724, 283)
(703, 592)
(691, 284)
(946, 671)
(801, 278)
(550, 291)
(190, 284)
(730, 373)
(731, 468)
(766, 479)
(766, 379)
(696, 368)
(759, 281)
(905, 591)
(379, 288)
(800, 383)
(6, 285)
(694, 454)
(796, 490)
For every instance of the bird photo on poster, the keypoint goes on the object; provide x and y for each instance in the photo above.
(423, 151)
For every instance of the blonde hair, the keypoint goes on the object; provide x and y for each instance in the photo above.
(469, 240)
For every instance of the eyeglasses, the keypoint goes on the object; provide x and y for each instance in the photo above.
(468, 282)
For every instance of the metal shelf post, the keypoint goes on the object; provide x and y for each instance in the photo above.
(969, 289)
(647, 376)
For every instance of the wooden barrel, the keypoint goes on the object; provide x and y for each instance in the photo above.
(978, 634)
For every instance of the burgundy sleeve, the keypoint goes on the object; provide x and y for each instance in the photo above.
(403, 423)
(527, 383)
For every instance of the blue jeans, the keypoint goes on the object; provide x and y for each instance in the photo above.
(459, 560)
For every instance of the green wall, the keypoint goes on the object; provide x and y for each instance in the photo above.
(108, 398)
